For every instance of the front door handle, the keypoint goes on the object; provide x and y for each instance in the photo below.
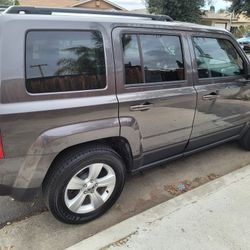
(141, 107)
(210, 96)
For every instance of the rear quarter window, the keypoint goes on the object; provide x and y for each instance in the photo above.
(59, 61)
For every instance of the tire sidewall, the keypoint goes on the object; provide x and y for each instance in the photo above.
(56, 198)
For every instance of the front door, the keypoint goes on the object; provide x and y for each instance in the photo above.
(154, 89)
(223, 106)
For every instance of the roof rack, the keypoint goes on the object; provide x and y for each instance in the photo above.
(50, 11)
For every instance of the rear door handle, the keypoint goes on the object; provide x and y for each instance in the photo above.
(210, 96)
(141, 107)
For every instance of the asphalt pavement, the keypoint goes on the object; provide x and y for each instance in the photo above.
(14, 211)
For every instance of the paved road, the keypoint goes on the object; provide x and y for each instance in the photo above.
(12, 210)
(154, 186)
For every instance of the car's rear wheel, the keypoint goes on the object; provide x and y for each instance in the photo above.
(84, 184)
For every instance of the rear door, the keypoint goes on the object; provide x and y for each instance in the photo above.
(154, 89)
(223, 107)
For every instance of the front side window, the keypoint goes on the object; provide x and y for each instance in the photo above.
(216, 57)
(59, 61)
(161, 58)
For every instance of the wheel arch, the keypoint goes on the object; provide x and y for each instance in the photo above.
(117, 143)
(52, 144)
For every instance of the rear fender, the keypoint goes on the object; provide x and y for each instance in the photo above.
(47, 146)
(50, 143)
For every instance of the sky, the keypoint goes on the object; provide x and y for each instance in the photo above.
(138, 4)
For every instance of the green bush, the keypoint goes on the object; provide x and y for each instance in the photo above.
(240, 31)
(9, 2)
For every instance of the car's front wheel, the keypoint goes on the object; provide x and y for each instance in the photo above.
(84, 184)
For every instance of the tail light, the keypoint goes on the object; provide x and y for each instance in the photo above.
(1, 148)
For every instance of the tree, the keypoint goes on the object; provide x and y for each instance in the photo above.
(85, 58)
(9, 2)
(240, 6)
(221, 11)
(180, 10)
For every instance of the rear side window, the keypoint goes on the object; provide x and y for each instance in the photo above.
(217, 57)
(161, 58)
(58, 61)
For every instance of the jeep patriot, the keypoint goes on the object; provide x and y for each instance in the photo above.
(87, 97)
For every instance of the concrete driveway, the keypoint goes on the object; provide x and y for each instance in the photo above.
(42, 231)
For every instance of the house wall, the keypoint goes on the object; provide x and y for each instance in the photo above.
(224, 25)
(97, 5)
(217, 23)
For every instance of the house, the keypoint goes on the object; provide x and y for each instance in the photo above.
(239, 25)
(92, 4)
(222, 20)
(225, 20)
(140, 11)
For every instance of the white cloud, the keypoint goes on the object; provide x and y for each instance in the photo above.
(220, 4)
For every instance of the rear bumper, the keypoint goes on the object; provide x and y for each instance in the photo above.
(20, 194)
(19, 178)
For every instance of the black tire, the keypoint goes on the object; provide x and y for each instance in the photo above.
(64, 169)
(245, 141)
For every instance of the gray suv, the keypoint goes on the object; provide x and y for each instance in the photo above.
(87, 97)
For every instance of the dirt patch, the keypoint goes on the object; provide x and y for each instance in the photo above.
(186, 185)
(120, 242)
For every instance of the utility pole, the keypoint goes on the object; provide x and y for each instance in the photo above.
(39, 66)
(231, 19)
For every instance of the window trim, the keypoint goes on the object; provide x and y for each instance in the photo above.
(141, 60)
(169, 84)
(217, 36)
(63, 92)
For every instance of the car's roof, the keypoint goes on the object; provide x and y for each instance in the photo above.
(114, 20)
